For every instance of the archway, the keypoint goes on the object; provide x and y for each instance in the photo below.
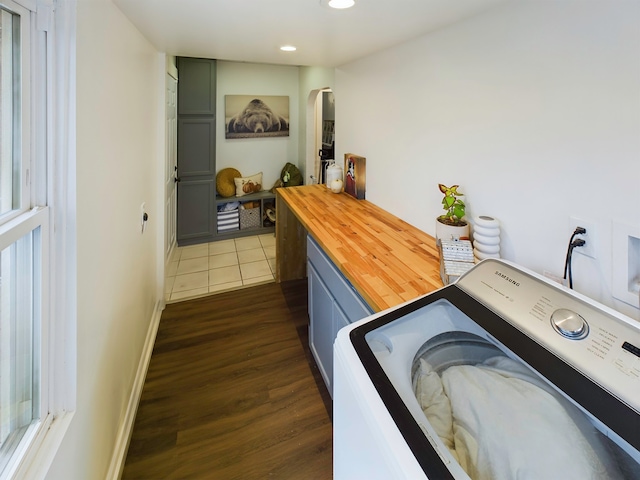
(316, 139)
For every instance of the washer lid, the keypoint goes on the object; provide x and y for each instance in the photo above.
(600, 343)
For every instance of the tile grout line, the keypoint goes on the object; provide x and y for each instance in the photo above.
(242, 279)
(238, 260)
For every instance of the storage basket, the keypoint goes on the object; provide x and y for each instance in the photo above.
(228, 221)
(249, 218)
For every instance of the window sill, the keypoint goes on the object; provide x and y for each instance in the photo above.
(39, 458)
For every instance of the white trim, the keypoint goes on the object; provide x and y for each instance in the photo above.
(62, 193)
(41, 91)
(311, 165)
(24, 457)
(167, 175)
(10, 233)
(27, 148)
(126, 427)
(44, 15)
(161, 223)
(28, 4)
(36, 466)
(15, 229)
(171, 66)
(22, 145)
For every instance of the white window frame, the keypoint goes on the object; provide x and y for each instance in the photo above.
(10, 233)
(24, 145)
(48, 196)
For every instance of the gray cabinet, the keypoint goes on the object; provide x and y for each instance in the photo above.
(197, 202)
(198, 78)
(196, 153)
(333, 304)
(196, 146)
(194, 222)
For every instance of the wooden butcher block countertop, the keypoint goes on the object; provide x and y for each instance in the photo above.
(387, 260)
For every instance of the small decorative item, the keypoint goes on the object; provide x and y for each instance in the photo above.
(486, 238)
(269, 217)
(247, 185)
(451, 225)
(336, 185)
(355, 175)
(290, 176)
(334, 172)
(225, 185)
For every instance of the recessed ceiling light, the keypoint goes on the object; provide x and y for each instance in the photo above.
(341, 3)
(288, 48)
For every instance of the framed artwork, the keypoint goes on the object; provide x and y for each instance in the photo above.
(355, 175)
(253, 116)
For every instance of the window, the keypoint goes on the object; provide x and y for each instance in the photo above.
(24, 245)
(9, 116)
(21, 282)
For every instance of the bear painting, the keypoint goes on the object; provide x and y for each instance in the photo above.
(258, 117)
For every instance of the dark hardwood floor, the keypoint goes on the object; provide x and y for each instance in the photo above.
(232, 392)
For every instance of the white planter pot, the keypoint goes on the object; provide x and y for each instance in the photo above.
(450, 232)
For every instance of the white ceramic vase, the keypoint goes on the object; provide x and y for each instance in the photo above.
(486, 237)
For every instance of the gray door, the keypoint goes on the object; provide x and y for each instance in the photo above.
(196, 188)
(196, 216)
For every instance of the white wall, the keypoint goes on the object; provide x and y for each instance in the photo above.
(117, 170)
(253, 155)
(532, 108)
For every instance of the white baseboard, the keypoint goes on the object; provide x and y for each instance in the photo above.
(126, 428)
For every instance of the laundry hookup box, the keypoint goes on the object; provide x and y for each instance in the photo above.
(228, 218)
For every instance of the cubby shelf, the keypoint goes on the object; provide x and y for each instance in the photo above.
(266, 199)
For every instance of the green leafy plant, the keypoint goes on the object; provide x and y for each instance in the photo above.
(454, 207)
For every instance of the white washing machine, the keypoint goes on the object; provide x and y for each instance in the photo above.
(500, 375)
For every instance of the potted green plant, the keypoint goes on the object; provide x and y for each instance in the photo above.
(451, 224)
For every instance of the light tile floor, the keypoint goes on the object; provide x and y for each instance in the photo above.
(220, 266)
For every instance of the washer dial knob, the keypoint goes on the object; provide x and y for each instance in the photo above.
(569, 324)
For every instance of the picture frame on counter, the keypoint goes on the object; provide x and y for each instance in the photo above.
(355, 176)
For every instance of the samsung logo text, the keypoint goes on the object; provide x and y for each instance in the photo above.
(507, 278)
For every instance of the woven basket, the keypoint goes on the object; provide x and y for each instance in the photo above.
(249, 218)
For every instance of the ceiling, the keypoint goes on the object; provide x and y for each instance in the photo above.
(253, 30)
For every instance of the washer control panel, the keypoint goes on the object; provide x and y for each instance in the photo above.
(603, 344)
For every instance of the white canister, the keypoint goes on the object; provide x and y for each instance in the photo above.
(334, 172)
